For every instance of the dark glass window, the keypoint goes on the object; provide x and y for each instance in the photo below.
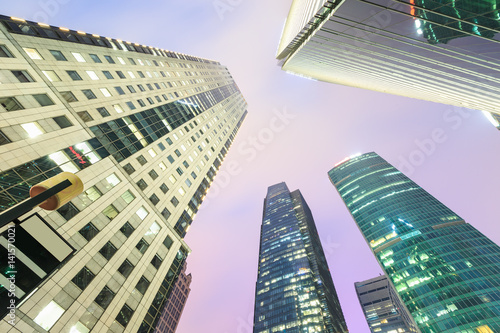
(131, 105)
(142, 246)
(83, 278)
(68, 211)
(177, 152)
(96, 58)
(43, 99)
(170, 158)
(74, 75)
(62, 121)
(107, 74)
(124, 316)
(111, 212)
(69, 96)
(164, 97)
(10, 104)
(120, 74)
(120, 91)
(142, 160)
(168, 242)
(127, 229)
(131, 61)
(141, 102)
(103, 111)
(4, 139)
(164, 188)
(89, 231)
(4, 52)
(156, 261)
(162, 146)
(169, 141)
(174, 201)
(153, 174)
(166, 213)
(89, 94)
(154, 199)
(109, 59)
(179, 171)
(58, 55)
(158, 99)
(23, 76)
(131, 89)
(108, 250)
(85, 116)
(193, 175)
(142, 285)
(126, 268)
(141, 74)
(157, 86)
(129, 168)
(141, 87)
(150, 100)
(150, 87)
(105, 297)
(142, 184)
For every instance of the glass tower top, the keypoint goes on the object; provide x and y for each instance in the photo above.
(294, 290)
(446, 272)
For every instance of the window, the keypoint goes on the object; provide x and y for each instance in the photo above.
(125, 315)
(108, 250)
(52, 76)
(153, 174)
(93, 193)
(118, 108)
(141, 102)
(131, 74)
(33, 129)
(174, 201)
(78, 57)
(188, 182)
(162, 146)
(142, 246)
(85, 116)
(169, 141)
(141, 74)
(49, 315)
(154, 199)
(179, 171)
(62, 121)
(105, 297)
(127, 229)
(158, 99)
(120, 91)
(128, 197)
(142, 160)
(141, 87)
(166, 213)
(182, 191)
(120, 59)
(89, 94)
(164, 188)
(129, 169)
(103, 111)
(177, 152)
(23, 76)
(156, 261)
(142, 184)
(131, 89)
(120, 74)
(4, 139)
(74, 75)
(4, 52)
(69, 96)
(150, 100)
(193, 175)
(142, 285)
(83, 278)
(10, 104)
(111, 212)
(152, 152)
(107, 74)
(172, 179)
(150, 87)
(109, 59)
(131, 61)
(43, 99)
(126, 268)
(142, 213)
(168, 242)
(92, 75)
(105, 92)
(68, 211)
(33, 53)
(95, 58)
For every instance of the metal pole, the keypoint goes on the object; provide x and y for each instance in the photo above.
(25, 206)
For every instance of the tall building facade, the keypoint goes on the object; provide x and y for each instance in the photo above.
(294, 291)
(382, 307)
(446, 272)
(493, 118)
(172, 311)
(441, 51)
(146, 129)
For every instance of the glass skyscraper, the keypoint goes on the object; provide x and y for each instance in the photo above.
(443, 51)
(294, 291)
(446, 272)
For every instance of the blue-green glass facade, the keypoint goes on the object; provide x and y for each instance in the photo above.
(294, 290)
(445, 271)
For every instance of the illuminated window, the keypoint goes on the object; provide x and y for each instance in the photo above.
(78, 57)
(63, 162)
(142, 213)
(52, 76)
(118, 108)
(33, 53)
(152, 152)
(172, 179)
(10, 104)
(49, 315)
(33, 129)
(182, 191)
(113, 180)
(105, 92)
(92, 75)
(162, 166)
(121, 60)
(79, 328)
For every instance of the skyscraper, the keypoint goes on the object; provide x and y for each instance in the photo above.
(445, 271)
(441, 51)
(382, 307)
(294, 290)
(493, 118)
(146, 129)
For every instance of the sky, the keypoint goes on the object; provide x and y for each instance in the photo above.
(296, 130)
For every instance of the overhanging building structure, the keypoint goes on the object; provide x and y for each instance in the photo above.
(294, 291)
(446, 272)
(146, 129)
(441, 51)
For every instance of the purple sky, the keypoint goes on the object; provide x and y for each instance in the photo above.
(329, 123)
